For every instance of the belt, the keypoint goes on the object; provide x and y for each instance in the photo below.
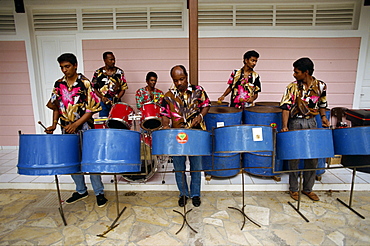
(303, 116)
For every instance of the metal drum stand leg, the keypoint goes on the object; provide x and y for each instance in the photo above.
(299, 198)
(242, 210)
(185, 212)
(114, 225)
(351, 195)
(60, 201)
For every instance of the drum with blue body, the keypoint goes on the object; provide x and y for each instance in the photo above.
(321, 161)
(266, 113)
(222, 161)
(352, 141)
(260, 164)
(243, 138)
(305, 144)
(318, 118)
(111, 151)
(354, 146)
(222, 116)
(48, 154)
(180, 142)
(261, 115)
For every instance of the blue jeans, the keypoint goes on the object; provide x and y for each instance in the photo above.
(96, 183)
(105, 109)
(182, 185)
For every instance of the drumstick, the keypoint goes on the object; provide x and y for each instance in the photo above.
(41, 125)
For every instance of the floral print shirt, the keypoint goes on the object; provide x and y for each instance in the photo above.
(304, 102)
(144, 96)
(73, 102)
(243, 88)
(182, 108)
(109, 85)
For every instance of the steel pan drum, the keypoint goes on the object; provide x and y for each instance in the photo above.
(269, 104)
(222, 116)
(217, 104)
(352, 141)
(48, 154)
(318, 118)
(111, 151)
(180, 141)
(261, 163)
(260, 115)
(243, 138)
(148, 162)
(119, 116)
(305, 144)
(222, 161)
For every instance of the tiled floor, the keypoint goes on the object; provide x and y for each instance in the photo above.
(163, 179)
(29, 211)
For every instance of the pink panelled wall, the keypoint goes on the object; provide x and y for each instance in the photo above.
(15, 94)
(335, 62)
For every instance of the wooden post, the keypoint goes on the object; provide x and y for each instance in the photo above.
(193, 41)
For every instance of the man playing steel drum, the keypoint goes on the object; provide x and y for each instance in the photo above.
(302, 101)
(185, 105)
(74, 102)
(109, 83)
(244, 84)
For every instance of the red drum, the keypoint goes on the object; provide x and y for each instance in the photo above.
(119, 116)
(150, 116)
(99, 123)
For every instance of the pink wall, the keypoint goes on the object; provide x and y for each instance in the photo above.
(335, 62)
(15, 95)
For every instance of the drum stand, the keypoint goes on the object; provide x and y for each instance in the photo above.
(114, 225)
(185, 212)
(351, 195)
(299, 198)
(243, 206)
(60, 201)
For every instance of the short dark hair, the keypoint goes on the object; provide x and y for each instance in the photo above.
(250, 53)
(304, 64)
(68, 57)
(105, 54)
(151, 74)
(180, 66)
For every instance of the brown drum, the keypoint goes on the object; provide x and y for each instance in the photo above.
(269, 104)
(219, 104)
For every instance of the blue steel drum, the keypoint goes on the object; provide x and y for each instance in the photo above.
(219, 104)
(222, 161)
(222, 116)
(260, 164)
(318, 118)
(322, 161)
(243, 138)
(262, 115)
(180, 141)
(352, 141)
(305, 144)
(111, 151)
(48, 154)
